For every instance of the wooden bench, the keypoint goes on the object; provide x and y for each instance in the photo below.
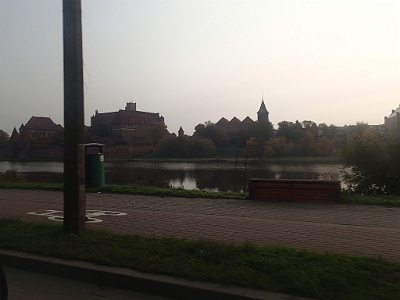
(294, 190)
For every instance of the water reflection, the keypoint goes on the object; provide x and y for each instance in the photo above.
(207, 176)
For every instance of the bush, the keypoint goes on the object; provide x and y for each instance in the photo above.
(374, 162)
(169, 146)
(12, 175)
(199, 147)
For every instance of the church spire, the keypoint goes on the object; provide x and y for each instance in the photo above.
(263, 112)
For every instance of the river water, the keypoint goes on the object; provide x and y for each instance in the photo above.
(224, 176)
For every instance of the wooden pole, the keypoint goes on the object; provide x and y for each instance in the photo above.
(74, 126)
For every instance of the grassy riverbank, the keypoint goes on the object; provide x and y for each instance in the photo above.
(218, 158)
(273, 268)
(386, 200)
(242, 159)
(130, 190)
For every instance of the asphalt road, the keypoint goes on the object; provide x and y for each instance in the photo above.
(31, 285)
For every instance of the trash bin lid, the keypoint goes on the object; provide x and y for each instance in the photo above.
(94, 145)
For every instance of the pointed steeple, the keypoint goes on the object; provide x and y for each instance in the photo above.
(263, 112)
(15, 136)
(263, 108)
(181, 133)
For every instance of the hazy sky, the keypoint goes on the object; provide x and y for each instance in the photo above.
(192, 61)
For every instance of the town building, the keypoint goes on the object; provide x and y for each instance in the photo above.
(235, 126)
(39, 137)
(128, 124)
(263, 114)
(126, 133)
(41, 129)
(393, 120)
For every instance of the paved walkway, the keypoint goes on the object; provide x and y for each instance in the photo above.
(352, 229)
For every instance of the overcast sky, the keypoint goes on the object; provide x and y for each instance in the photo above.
(192, 61)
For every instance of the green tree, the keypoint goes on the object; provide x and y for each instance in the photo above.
(324, 146)
(392, 167)
(221, 139)
(170, 146)
(209, 131)
(291, 131)
(307, 143)
(374, 162)
(338, 143)
(327, 130)
(199, 129)
(240, 139)
(252, 148)
(285, 129)
(262, 132)
(158, 132)
(3, 139)
(310, 126)
(198, 147)
(323, 128)
(277, 146)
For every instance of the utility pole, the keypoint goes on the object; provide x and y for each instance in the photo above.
(74, 123)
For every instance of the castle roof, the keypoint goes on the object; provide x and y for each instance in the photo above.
(125, 117)
(59, 127)
(247, 120)
(234, 121)
(222, 121)
(15, 136)
(42, 123)
(394, 112)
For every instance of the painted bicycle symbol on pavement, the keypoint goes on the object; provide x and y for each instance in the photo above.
(91, 215)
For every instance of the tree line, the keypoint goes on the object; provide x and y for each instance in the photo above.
(371, 153)
(4, 142)
(261, 140)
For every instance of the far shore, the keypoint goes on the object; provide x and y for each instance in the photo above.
(241, 160)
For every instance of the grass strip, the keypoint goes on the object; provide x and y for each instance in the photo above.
(386, 200)
(170, 192)
(273, 268)
(132, 190)
(31, 186)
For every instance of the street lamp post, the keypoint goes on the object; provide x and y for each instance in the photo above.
(74, 130)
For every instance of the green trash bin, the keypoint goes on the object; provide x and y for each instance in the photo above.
(94, 165)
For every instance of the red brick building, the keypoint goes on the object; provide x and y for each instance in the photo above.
(129, 124)
(126, 133)
(39, 137)
(393, 120)
(235, 126)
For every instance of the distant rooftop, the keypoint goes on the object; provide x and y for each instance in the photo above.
(394, 112)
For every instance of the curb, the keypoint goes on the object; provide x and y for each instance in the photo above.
(128, 279)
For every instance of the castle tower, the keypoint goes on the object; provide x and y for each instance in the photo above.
(181, 133)
(130, 106)
(14, 140)
(263, 114)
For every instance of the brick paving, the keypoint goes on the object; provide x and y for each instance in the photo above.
(350, 229)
